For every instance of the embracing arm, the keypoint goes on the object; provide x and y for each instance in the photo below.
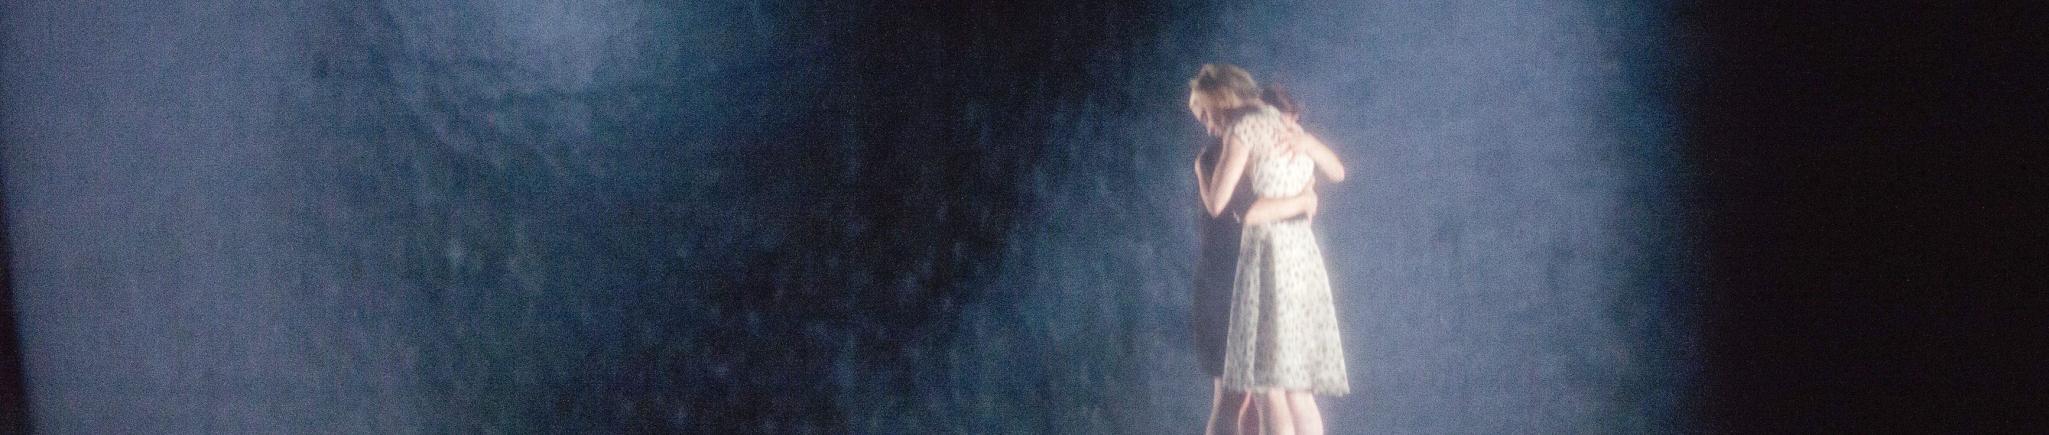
(1219, 187)
(1326, 161)
(1273, 209)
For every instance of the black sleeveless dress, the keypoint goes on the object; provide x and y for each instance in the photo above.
(1216, 268)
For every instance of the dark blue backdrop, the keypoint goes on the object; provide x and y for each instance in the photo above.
(819, 217)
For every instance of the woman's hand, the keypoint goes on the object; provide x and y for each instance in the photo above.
(1326, 161)
(1267, 210)
(1293, 140)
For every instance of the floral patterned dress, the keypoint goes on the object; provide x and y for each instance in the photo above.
(1283, 326)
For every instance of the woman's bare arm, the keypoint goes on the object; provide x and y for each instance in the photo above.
(1326, 161)
(1230, 167)
(1274, 209)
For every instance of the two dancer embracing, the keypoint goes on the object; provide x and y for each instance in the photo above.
(1265, 326)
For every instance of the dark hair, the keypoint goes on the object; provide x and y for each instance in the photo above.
(1276, 95)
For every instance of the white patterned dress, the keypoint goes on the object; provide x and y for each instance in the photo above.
(1283, 332)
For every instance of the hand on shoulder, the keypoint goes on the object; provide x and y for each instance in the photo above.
(1292, 139)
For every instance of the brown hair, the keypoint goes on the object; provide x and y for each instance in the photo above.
(1276, 95)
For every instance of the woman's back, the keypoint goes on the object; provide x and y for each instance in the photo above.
(1283, 332)
(1274, 173)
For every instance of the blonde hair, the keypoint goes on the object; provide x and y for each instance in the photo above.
(1223, 88)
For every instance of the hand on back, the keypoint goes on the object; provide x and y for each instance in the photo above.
(1292, 140)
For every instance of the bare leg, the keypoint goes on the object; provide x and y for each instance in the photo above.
(1248, 420)
(1220, 414)
(1279, 419)
(1308, 420)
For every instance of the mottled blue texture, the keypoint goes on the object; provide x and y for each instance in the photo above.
(784, 217)
(1510, 257)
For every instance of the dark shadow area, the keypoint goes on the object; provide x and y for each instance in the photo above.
(14, 416)
(1867, 173)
